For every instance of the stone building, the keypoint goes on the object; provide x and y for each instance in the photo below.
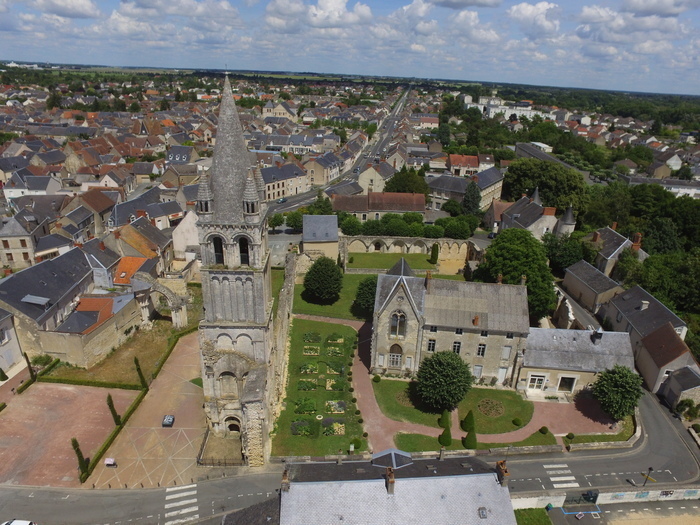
(486, 324)
(237, 355)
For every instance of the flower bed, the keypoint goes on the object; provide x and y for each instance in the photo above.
(305, 384)
(334, 368)
(309, 368)
(301, 427)
(335, 407)
(305, 405)
(312, 337)
(333, 427)
(334, 351)
(311, 350)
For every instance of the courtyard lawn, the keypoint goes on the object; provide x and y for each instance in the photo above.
(342, 308)
(532, 517)
(423, 443)
(395, 402)
(311, 411)
(536, 439)
(417, 261)
(277, 280)
(148, 345)
(494, 410)
(624, 434)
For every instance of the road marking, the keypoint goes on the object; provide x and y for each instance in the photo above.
(563, 471)
(183, 487)
(563, 478)
(181, 495)
(180, 503)
(565, 485)
(175, 522)
(563, 465)
(180, 512)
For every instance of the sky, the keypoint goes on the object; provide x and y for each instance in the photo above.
(627, 45)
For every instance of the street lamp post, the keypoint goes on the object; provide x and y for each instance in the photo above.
(651, 469)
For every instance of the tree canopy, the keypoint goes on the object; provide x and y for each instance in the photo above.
(443, 380)
(471, 203)
(366, 292)
(618, 390)
(515, 253)
(407, 181)
(323, 281)
(558, 186)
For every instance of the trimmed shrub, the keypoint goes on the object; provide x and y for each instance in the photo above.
(41, 359)
(468, 424)
(3, 375)
(2, 406)
(445, 420)
(434, 254)
(518, 422)
(113, 411)
(570, 436)
(351, 389)
(365, 434)
(50, 367)
(87, 382)
(469, 441)
(544, 430)
(360, 421)
(357, 442)
(377, 378)
(357, 412)
(354, 400)
(696, 427)
(21, 388)
(445, 438)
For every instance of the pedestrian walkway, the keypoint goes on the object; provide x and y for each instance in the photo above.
(560, 418)
(181, 504)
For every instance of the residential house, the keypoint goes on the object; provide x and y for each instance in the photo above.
(8, 165)
(588, 286)
(10, 350)
(486, 324)
(284, 180)
(375, 205)
(323, 169)
(19, 236)
(528, 213)
(494, 214)
(374, 177)
(180, 175)
(659, 170)
(51, 246)
(22, 183)
(565, 361)
(463, 165)
(662, 352)
(320, 236)
(681, 384)
(181, 155)
(609, 245)
(141, 239)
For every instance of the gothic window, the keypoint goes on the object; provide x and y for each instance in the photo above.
(398, 324)
(395, 353)
(218, 244)
(228, 385)
(244, 251)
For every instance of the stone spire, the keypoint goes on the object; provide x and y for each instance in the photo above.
(251, 199)
(536, 197)
(204, 200)
(230, 163)
(568, 217)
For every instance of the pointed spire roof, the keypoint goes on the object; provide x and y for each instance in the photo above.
(230, 164)
(536, 197)
(251, 192)
(401, 268)
(568, 217)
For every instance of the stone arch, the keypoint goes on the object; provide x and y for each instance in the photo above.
(378, 245)
(244, 345)
(218, 243)
(398, 247)
(418, 247)
(228, 384)
(177, 304)
(224, 341)
(233, 425)
(357, 245)
(396, 349)
(244, 250)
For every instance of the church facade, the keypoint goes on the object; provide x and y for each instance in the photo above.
(235, 336)
(486, 324)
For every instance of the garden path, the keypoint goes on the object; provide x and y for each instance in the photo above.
(560, 418)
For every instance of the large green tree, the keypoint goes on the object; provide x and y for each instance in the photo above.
(295, 220)
(276, 220)
(471, 203)
(515, 253)
(323, 281)
(558, 185)
(443, 380)
(618, 390)
(407, 181)
(366, 293)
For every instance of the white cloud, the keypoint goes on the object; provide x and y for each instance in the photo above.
(68, 8)
(461, 4)
(467, 25)
(659, 7)
(418, 48)
(334, 13)
(536, 21)
(653, 47)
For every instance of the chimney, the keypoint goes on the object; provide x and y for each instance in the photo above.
(502, 473)
(596, 236)
(102, 246)
(390, 481)
(78, 244)
(428, 278)
(141, 213)
(644, 306)
(596, 336)
(549, 211)
(523, 280)
(117, 234)
(637, 242)
(285, 482)
(614, 226)
(499, 279)
(475, 321)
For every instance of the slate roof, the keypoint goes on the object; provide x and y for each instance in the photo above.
(489, 177)
(687, 378)
(49, 242)
(122, 213)
(591, 277)
(393, 202)
(644, 321)
(524, 212)
(577, 350)
(283, 172)
(320, 228)
(98, 255)
(347, 187)
(449, 183)
(612, 242)
(428, 491)
(10, 164)
(665, 345)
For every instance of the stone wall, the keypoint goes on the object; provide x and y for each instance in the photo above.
(450, 249)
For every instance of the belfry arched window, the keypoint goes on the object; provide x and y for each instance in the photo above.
(398, 324)
(244, 251)
(218, 245)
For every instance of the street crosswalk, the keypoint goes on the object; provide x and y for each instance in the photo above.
(181, 504)
(560, 481)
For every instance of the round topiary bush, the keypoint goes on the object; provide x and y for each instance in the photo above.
(377, 378)
(360, 421)
(351, 389)
(570, 436)
(365, 434)
(357, 412)
(544, 430)
(518, 422)
(357, 442)
(350, 363)
(354, 400)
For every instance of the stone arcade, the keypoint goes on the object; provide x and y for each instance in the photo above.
(236, 332)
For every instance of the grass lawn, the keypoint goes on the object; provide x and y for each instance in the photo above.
(313, 361)
(417, 261)
(494, 410)
(449, 277)
(394, 401)
(277, 280)
(148, 345)
(341, 309)
(536, 439)
(532, 517)
(624, 434)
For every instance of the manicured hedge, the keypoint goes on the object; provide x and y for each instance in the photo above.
(21, 388)
(2, 406)
(88, 382)
(49, 367)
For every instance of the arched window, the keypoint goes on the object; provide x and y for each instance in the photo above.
(377, 247)
(243, 250)
(395, 354)
(228, 385)
(398, 324)
(218, 244)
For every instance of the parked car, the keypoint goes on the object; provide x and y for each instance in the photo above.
(168, 421)
(492, 235)
(18, 522)
(282, 200)
(356, 170)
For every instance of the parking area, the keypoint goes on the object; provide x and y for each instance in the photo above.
(37, 426)
(146, 453)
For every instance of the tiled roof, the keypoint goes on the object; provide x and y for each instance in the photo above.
(665, 345)
(126, 268)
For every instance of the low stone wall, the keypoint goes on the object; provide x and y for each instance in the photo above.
(612, 444)
(674, 494)
(694, 435)
(537, 502)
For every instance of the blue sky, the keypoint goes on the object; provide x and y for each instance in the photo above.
(634, 45)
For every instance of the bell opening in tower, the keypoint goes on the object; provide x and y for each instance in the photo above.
(245, 255)
(218, 245)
